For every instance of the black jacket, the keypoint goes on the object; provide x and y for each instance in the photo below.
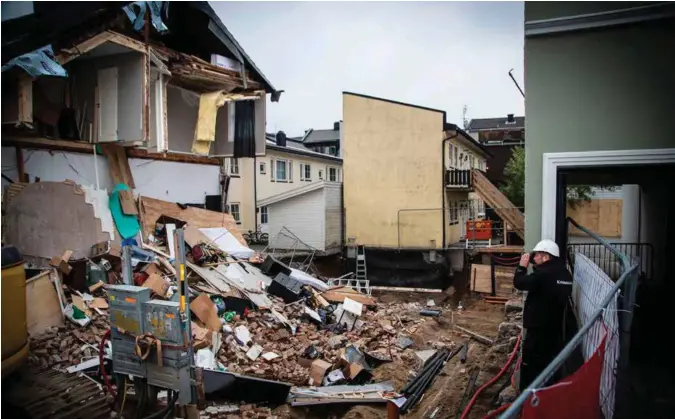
(549, 287)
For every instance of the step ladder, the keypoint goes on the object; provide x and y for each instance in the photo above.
(361, 272)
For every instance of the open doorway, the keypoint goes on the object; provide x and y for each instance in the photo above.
(632, 208)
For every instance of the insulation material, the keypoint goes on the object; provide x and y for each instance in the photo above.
(50, 217)
(227, 242)
(205, 132)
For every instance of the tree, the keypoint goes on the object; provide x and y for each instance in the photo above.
(514, 187)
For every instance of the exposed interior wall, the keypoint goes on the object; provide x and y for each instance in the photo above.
(304, 215)
(181, 113)
(84, 75)
(169, 181)
(606, 89)
(392, 162)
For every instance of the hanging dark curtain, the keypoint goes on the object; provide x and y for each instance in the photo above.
(244, 128)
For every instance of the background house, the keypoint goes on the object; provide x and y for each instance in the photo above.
(281, 183)
(406, 172)
(500, 136)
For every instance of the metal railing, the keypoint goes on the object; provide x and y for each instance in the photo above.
(603, 306)
(640, 253)
(456, 178)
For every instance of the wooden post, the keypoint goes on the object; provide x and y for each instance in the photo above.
(25, 90)
(392, 411)
(20, 168)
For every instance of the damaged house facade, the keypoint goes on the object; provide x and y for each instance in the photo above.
(95, 101)
(409, 177)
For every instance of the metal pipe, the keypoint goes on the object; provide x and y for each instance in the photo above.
(512, 411)
(516, 83)
(184, 295)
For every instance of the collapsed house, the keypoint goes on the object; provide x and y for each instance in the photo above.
(92, 95)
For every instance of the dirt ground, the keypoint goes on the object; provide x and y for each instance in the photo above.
(445, 394)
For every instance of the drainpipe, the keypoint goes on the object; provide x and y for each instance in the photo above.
(255, 193)
(443, 189)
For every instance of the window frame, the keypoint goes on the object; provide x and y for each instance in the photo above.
(264, 215)
(234, 163)
(337, 174)
(262, 167)
(306, 172)
(237, 219)
(286, 171)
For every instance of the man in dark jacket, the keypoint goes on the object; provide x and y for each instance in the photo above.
(548, 318)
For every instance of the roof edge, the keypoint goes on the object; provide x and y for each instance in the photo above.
(314, 186)
(395, 102)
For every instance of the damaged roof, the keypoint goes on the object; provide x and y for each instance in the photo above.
(194, 28)
(478, 124)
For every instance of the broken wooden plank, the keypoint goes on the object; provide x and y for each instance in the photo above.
(118, 164)
(479, 338)
(128, 202)
(338, 295)
(43, 309)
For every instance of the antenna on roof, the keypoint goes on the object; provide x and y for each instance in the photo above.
(516, 83)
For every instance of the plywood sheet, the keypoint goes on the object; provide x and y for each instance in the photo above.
(338, 295)
(602, 216)
(480, 278)
(42, 305)
(47, 218)
(152, 209)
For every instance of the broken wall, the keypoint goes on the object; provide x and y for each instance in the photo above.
(166, 180)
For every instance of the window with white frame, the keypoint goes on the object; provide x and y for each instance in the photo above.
(306, 172)
(234, 166)
(264, 215)
(454, 157)
(320, 174)
(333, 174)
(333, 150)
(235, 213)
(262, 167)
(282, 171)
(452, 149)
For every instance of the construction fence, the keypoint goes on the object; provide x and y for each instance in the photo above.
(604, 310)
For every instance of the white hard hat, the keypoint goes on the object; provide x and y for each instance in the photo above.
(548, 246)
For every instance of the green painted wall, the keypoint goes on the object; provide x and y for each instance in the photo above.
(606, 89)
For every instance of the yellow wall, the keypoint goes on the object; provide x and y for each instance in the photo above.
(392, 161)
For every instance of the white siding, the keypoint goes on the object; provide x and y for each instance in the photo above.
(304, 216)
(333, 221)
(170, 181)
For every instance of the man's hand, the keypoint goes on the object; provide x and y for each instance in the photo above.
(525, 260)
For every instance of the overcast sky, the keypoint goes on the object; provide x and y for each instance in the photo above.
(439, 55)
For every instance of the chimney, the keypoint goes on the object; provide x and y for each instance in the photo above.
(281, 139)
(510, 119)
(336, 126)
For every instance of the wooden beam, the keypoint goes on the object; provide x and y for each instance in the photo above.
(141, 153)
(69, 54)
(25, 98)
(47, 144)
(20, 168)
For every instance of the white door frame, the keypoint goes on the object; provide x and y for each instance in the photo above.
(554, 161)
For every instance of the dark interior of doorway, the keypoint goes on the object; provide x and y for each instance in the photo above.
(651, 375)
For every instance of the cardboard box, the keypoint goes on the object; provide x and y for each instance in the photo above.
(61, 262)
(110, 248)
(318, 370)
(206, 311)
(158, 284)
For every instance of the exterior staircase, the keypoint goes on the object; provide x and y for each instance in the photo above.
(504, 208)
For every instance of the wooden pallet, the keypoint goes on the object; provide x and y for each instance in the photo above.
(54, 394)
(495, 299)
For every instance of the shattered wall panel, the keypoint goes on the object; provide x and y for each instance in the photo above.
(47, 218)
